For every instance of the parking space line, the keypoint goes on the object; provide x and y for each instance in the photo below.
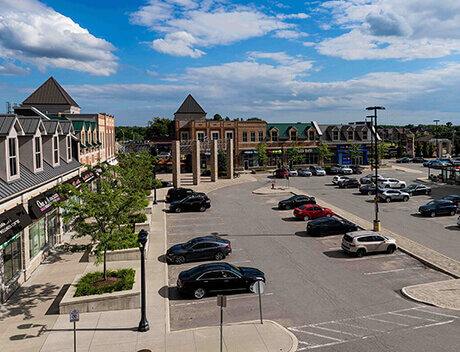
(383, 272)
(242, 261)
(359, 327)
(237, 249)
(411, 316)
(333, 330)
(435, 324)
(441, 314)
(318, 335)
(212, 300)
(385, 321)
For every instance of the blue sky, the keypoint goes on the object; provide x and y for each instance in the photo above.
(281, 61)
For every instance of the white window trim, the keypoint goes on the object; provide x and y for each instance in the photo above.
(277, 135)
(186, 134)
(69, 148)
(16, 144)
(228, 133)
(55, 149)
(334, 131)
(40, 144)
(218, 135)
(198, 133)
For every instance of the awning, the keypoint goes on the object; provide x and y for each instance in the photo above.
(12, 222)
(75, 181)
(42, 204)
(88, 176)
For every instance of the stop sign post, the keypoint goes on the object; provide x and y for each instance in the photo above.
(258, 288)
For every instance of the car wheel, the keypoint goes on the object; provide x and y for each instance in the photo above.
(406, 198)
(388, 199)
(203, 208)
(178, 210)
(391, 249)
(387, 186)
(360, 253)
(287, 207)
(432, 214)
(328, 215)
(219, 256)
(452, 213)
(306, 218)
(427, 192)
(180, 259)
(199, 293)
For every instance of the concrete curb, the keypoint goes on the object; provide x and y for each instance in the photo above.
(415, 299)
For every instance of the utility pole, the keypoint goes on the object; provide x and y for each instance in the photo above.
(437, 148)
(376, 158)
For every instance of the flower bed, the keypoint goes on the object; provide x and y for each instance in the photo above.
(93, 284)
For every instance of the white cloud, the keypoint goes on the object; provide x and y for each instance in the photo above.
(9, 69)
(300, 16)
(208, 23)
(381, 29)
(280, 57)
(35, 34)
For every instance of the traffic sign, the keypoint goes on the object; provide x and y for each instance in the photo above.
(74, 315)
(258, 287)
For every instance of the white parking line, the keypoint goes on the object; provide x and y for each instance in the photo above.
(359, 327)
(333, 330)
(212, 300)
(383, 272)
(411, 316)
(318, 335)
(385, 321)
(441, 314)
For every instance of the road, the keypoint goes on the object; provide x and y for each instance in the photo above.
(330, 300)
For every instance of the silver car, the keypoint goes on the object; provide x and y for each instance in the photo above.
(370, 178)
(389, 195)
(362, 242)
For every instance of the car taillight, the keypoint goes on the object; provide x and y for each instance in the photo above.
(352, 245)
(180, 283)
(208, 201)
(228, 246)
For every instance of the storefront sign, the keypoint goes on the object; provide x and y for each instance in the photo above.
(43, 203)
(75, 181)
(348, 147)
(275, 151)
(251, 152)
(12, 222)
(309, 150)
(88, 176)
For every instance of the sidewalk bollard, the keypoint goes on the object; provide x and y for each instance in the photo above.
(273, 186)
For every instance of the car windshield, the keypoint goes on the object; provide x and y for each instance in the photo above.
(238, 270)
(188, 244)
(412, 187)
(195, 271)
(432, 203)
(292, 198)
(302, 207)
(319, 168)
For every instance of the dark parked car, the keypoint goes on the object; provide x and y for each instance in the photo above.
(356, 169)
(296, 201)
(330, 226)
(196, 203)
(418, 159)
(453, 198)
(334, 170)
(281, 173)
(416, 188)
(350, 183)
(217, 277)
(438, 207)
(178, 194)
(403, 160)
(200, 248)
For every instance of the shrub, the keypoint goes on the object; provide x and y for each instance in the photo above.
(85, 287)
(127, 241)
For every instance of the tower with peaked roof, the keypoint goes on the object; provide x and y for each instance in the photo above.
(50, 98)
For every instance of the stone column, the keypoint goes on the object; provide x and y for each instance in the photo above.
(214, 161)
(449, 147)
(230, 159)
(176, 163)
(439, 151)
(196, 167)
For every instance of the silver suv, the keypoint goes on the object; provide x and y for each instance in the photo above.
(389, 195)
(362, 242)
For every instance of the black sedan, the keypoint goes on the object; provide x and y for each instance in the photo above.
(329, 226)
(334, 170)
(192, 203)
(418, 159)
(349, 183)
(438, 207)
(403, 160)
(295, 202)
(369, 189)
(356, 169)
(217, 277)
(417, 188)
(200, 248)
(454, 198)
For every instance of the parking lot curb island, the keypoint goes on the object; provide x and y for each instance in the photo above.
(443, 294)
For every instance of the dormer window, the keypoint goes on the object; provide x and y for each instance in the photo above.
(55, 150)
(311, 135)
(335, 135)
(293, 135)
(274, 136)
(38, 153)
(364, 134)
(13, 157)
(350, 135)
(69, 148)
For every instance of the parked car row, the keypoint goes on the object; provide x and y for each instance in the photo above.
(186, 199)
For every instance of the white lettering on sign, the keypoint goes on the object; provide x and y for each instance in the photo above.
(44, 204)
(8, 225)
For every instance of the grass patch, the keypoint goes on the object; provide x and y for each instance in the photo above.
(93, 283)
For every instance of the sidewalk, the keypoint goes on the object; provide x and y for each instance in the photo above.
(29, 320)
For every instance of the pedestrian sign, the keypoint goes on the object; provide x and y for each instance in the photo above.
(74, 315)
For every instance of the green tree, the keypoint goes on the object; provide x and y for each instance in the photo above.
(138, 170)
(430, 150)
(262, 155)
(293, 153)
(105, 215)
(425, 151)
(400, 150)
(254, 119)
(382, 151)
(355, 151)
(222, 162)
(160, 127)
(325, 153)
(217, 117)
(418, 149)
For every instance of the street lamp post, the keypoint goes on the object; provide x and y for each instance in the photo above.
(155, 177)
(376, 159)
(142, 240)
(437, 147)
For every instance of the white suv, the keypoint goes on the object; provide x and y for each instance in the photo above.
(391, 183)
(362, 242)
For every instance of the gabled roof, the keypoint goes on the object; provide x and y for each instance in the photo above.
(190, 106)
(30, 124)
(7, 122)
(284, 128)
(78, 125)
(66, 127)
(52, 126)
(50, 93)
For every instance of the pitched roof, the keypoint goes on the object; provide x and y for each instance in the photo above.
(284, 128)
(190, 106)
(78, 125)
(6, 122)
(66, 126)
(50, 93)
(51, 126)
(29, 124)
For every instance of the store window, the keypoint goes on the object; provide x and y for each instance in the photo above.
(245, 136)
(253, 136)
(13, 156)
(37, 237)
(53, 226)
(261, 136)
(12, 258)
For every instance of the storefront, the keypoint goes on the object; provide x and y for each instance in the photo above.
(250, 159)
(310, 156)
(344, 156)
(275, 157)
(12, 222)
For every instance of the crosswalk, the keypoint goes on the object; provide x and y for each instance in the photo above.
(335, 332)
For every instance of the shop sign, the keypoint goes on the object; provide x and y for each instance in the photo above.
(12, 222)
(251, 152)
(43, 203)
(88, 176)
(348, 147)
(275, 151)
(75, 181)
(309, 150)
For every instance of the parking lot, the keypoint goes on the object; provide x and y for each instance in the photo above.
(310, 281)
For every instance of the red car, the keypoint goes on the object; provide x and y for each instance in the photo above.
(312, 211)
(281, 173)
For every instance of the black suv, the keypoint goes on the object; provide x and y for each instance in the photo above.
(178, 194)
(329, 226)
(349, 183)
(296, 201)
(356, 169)
(196, 203)
(438, 207)
(208, 247)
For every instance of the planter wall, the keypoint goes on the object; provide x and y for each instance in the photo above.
(121, 254)
(129, 299)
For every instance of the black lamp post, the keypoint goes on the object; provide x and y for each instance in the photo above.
(376, 159)
(142, 240)
(437, 147)
(155, 177)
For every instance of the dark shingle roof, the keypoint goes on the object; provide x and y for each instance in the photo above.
(29, 124)
(6, 122)
(66, 126)
(50, 93)
(51, 126)
(190, 106)
(29, 179)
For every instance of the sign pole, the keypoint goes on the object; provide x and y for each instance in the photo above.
(221, 322)
(260, 302)
(74, 317)
(75, 336)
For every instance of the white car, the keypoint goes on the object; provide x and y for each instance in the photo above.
(390, 194)
(362, 242)
(369, 178)
(337, 179)
(293, 172)
(391, 183)
(346, 170)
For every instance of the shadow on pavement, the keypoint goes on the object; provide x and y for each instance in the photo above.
(303, 234)
(162, 258)
(54, 307)
(291, 219)
(278, 209)
(453, 228)
(418, 215)
(337, 254)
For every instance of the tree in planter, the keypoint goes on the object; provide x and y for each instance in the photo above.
(400, 150)
(137, 170)
(382, 151)
(222, 162)
(324, 152)
(104, 216)
(293, 153)
(262, 155)
(355, 151)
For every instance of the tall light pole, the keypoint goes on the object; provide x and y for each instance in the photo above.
(376, 159)
(142, 240)
(437, 147)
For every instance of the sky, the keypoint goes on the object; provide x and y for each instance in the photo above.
(282, 61)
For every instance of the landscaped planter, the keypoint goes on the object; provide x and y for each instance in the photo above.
(121, 300)
(121, 254)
